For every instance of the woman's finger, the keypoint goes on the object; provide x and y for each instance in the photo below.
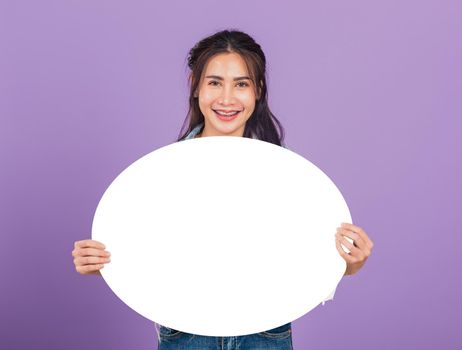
(89, 252)
(347, 257)
(89, 243)
(90, 260)
(360, 232)
(358, 241)
(354, 251)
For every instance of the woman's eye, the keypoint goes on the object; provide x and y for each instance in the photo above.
(240, 84)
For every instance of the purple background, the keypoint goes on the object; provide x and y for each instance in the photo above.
(368, 91)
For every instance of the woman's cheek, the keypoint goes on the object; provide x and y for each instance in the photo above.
(248, 99)
(207, 97)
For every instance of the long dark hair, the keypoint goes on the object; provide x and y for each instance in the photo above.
(262, 124)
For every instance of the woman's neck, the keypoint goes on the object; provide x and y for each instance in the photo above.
(210, 132)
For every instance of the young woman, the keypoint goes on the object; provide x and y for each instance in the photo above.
(228, 97)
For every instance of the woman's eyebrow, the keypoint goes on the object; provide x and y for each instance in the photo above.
(221, 78)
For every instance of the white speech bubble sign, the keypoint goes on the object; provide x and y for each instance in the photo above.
(221, 236)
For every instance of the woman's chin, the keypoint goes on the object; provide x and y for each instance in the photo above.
(228, 128)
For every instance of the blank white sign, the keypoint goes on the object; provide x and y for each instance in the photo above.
(221, 236)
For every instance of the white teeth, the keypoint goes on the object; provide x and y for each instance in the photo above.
(227, 114)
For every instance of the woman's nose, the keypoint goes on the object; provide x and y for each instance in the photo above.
(226, 95)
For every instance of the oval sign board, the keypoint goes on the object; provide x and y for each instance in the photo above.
(221, 236)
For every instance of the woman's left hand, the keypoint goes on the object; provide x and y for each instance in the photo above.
(360, 249)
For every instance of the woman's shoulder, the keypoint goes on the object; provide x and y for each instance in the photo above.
(194, 132)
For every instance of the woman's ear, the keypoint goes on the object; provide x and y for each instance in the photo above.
(196, 93)
(259, 88)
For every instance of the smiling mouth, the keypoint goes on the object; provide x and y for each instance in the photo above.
(226, 115)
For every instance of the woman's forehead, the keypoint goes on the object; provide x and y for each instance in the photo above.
(226, 65)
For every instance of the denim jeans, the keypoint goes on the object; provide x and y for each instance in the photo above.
(279, 338)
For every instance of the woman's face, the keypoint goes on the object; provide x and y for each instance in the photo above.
(226, 95)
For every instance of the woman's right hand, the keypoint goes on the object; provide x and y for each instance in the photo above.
(90, 256)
